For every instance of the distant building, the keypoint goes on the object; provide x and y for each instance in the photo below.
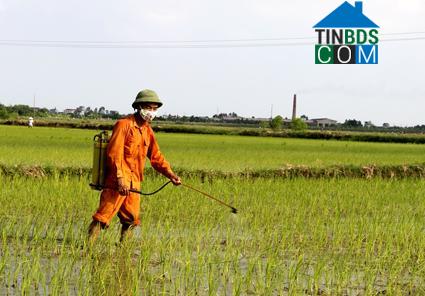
(68, 111)
(368, 124)
(262, 119)
(230, 118)
(321, 122)
(259, 119)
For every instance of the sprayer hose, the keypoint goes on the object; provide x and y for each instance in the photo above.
(151, 193)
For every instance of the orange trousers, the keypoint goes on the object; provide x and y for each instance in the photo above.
(111, 203)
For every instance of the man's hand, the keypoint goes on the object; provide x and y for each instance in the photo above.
(175, 179)
(122, 188)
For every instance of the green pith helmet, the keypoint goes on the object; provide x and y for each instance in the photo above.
(146, 96)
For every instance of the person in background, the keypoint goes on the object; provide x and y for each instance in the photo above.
(30, 122)
(132, 141)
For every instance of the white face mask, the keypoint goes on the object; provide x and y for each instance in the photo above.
(147, 115)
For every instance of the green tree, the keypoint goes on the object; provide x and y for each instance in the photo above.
(352, 123)
(276, 122)
(264, 124)
(298, 124)
(22, 110)
(43, 112)
(3, 112)
(114, 114)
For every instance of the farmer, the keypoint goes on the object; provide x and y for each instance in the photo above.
(131, 143)
(30, 122)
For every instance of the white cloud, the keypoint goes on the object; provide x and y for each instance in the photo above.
(161, 17)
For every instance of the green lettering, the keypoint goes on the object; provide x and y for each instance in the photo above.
(361, 36)
(349, 36)
(373, 36)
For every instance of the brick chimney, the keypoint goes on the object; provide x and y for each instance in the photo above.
(359, 6)
(294, 107)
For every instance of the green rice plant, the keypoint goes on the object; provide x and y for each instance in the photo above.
(52, 148)
(290, 236)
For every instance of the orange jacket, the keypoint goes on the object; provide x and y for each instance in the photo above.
(128, 148)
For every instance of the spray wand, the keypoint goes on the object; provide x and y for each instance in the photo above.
(234, 210)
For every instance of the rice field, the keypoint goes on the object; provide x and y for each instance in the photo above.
(299, 236)
(291, 237)
(73, 147)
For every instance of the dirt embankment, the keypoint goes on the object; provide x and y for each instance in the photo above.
(288, 171)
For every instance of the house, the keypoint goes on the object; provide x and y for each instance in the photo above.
(347, 16)
(259, 119)
(262, 119)
(68, 111)
(321, 122)
(231, 118)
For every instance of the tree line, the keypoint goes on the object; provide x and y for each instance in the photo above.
(276, 123)
(15, 111)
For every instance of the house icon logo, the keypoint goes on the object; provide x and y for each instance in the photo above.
(347, 36)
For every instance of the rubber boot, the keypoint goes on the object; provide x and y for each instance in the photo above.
(126, 232)
(94, 231)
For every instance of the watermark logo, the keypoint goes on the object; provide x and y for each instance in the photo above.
(347, 36)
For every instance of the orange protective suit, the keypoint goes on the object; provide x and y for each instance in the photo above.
(128, 148)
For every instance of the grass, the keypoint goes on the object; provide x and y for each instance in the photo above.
(73, 147)
(299, 236)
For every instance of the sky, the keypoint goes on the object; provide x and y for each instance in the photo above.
(192, 80)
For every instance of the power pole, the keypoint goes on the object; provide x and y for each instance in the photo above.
(271, 112)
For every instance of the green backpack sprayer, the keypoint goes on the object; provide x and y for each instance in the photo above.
(99, 170)
(99, 160)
